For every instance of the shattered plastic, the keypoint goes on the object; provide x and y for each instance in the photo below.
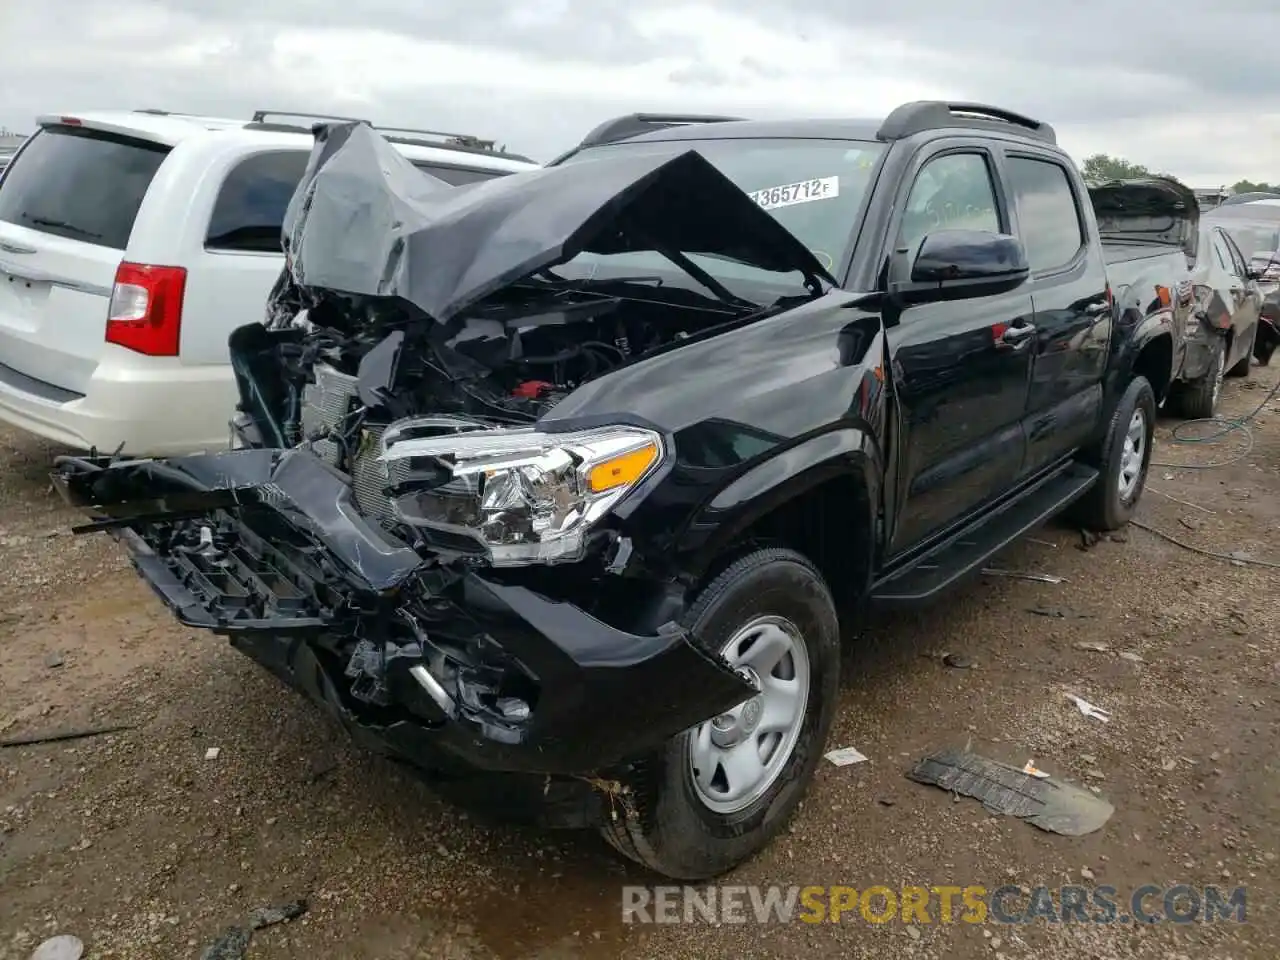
(365, 221)
(294, 482)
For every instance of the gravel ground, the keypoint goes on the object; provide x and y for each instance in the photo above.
(143, 847)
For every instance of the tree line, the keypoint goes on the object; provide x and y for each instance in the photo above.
(1100, 168)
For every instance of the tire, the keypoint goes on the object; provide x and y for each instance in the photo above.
(1198, 399)
(1109, 505)
(1241, 367)
(689, 832)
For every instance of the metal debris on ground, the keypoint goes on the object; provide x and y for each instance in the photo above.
(62, 947)
(1059, 613)
(845, 756)
(1088, 709)
(212, 753)
(1093, 646)
(1046, 803)
(57, 735)
(270, 916)
(1022, 575)
(959, 661)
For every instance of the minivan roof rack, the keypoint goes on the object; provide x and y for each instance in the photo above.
(634, 124)
(921, 115)
(460, 142)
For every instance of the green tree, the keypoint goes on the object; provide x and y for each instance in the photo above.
(1248, 186)
(1100, 168)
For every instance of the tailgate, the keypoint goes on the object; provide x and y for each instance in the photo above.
(67, 206)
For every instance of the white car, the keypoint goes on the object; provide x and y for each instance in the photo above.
(132, 244)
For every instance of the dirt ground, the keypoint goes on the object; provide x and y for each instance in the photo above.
(142, 847)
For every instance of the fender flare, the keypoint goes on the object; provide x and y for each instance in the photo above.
(848, 451)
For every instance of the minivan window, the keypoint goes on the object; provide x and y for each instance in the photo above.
(249, 212)
(79, 183)
(1048, 218)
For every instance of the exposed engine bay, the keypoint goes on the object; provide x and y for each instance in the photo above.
(351, 363)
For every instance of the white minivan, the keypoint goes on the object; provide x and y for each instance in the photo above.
(132, 244)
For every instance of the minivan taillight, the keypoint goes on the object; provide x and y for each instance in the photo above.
(146, 308)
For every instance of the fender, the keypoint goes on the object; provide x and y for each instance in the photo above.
(1138, 325)
(850, 451)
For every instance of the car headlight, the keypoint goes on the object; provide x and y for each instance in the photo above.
(527, 497)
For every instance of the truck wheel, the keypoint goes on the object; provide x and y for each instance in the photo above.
(1198, 400)
(1241, 368)
(715, 795)
(1123, 461)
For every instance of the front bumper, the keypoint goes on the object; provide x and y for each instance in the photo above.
(434, 664)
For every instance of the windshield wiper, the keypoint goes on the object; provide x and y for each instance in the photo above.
(62, 225)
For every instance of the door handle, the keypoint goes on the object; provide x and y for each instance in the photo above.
(1017, 335)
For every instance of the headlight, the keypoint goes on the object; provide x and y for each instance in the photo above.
(527, 497)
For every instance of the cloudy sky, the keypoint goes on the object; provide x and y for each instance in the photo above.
(1184, 87)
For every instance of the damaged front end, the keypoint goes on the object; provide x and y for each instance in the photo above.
(399, 532)
(433, 661)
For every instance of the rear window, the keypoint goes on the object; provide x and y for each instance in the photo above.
(79, 183)
(249, 212)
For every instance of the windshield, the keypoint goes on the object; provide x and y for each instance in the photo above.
(812, 187)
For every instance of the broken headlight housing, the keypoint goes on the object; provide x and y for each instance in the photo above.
(527, 497)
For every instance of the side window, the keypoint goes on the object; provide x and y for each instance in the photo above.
(951, 192)
(457, 176)
(1048, 217)
(249, 211)
(1222, 253)
(1238, 265)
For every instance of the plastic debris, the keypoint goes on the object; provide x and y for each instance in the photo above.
(1131, 656)
(54, 660)
(62, 947)
(1043, 802)
(959, 661)
(846, 756)
(1093, 646)
(1088, 709)
(212, 753)
(1030, 768)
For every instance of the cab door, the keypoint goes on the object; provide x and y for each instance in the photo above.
(961, 367)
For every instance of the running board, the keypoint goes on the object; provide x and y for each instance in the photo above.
(966, 552)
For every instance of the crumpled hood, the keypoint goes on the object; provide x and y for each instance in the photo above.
(365, 221)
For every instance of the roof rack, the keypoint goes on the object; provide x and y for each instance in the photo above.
(461, 142)
(634, 124)
(920, 115)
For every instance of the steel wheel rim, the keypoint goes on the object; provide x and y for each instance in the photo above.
(1131, 457)
(736, 757)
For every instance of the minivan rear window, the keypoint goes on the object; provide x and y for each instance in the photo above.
(80, 183)
(249, 212)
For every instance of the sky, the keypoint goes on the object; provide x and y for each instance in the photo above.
(1180, 87)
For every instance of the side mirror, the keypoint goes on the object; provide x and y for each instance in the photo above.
(958, 264)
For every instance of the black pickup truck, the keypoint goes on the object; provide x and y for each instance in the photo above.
(561, 487)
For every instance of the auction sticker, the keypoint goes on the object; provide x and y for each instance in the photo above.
(804, 191)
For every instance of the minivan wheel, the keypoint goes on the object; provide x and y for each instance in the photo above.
(1124, 460)
(715, 795)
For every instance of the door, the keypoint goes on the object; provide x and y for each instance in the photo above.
(1246, 298)
(961, 379)
(1072, 310)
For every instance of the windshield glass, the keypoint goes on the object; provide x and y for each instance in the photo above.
(812, 187)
